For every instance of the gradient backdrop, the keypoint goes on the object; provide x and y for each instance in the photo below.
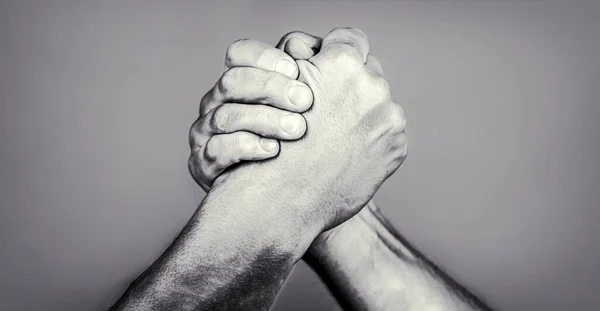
(501, 186)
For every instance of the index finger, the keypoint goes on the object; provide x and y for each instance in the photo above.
(345, 40)
(252, 53)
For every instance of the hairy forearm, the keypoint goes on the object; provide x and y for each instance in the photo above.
(234, 254)
(369, 266)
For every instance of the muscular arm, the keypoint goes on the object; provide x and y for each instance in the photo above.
(238, 248)
(259, 219)
(234, 254)
(368, 266)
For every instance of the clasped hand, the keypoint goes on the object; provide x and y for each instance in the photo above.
(309, 123)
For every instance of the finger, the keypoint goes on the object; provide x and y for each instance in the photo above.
(350, 42)
(257, 86)
(252, 53)
(224, 150)
(259, 119)
(197, 137)
(300, 45)
(298, 49)
(373, 65)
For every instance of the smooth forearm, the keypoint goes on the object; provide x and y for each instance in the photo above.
(234, 254)
(368, 266)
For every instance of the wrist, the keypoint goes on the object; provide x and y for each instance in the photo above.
(361, 234)
(354, 239)
(236, 250)
(265, 210)
(358, 238)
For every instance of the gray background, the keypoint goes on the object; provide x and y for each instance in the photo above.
(501, 186)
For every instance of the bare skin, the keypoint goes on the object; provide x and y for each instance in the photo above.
(365, 262)
(368, 265)
(240, 246)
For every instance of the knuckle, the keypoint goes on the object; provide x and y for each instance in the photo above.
(220, 119)
(376, 88)
(402, 122)
(398, 118)
(219, 153)
(245, 142)
(227, 81)
(380, 87)
(230, 53)
(223, 160)
(211, 150)
(271, 83)
(349, 31)
(347, 55)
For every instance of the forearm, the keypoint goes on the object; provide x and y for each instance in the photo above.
(234, 254)
(368, 266)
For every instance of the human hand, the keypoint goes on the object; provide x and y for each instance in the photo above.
(355, 139)
(300, 45)
(255, 103)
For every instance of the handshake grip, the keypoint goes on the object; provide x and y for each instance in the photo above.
(332, 135)
(354, 136)
(321, 113)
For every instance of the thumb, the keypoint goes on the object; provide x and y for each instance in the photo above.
(300, 45)
(298, 49)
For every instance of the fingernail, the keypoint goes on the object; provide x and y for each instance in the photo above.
(290, 124)
(298, 95)
(286, 67)
(268, 144)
